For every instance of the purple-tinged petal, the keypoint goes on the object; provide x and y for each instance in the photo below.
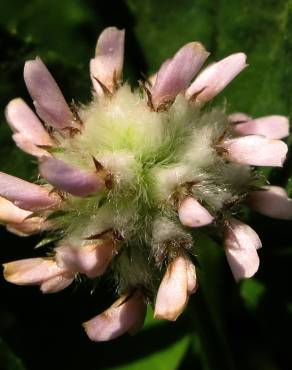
(152, 79)
(192, 214)
(73, 180)
(31, 271)
(48, 99)
(256, 151)
(172, 295)
(26, 195)
(92, 259)
(56, 283)
(271, 201)
(22, 120)
(11, 213)
(126, 314)
(238, 117)
(175, 75)
(271, 127)
(213, 79)
(30, 226)
(241, 243)
(107, 66)
(192, 277)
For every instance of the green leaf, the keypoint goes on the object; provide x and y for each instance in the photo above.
(261, 29)
(252, 291)
(55, 26)
(166, 359)
(163, 27)
(8, 360)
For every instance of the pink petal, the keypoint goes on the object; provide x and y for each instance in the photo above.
(241, 243)
(272, 201)
(10, 213)
(152, 79)
(34, 197)
(26, 125)
(192, 214)
(192, 277)
(124, 315)
(107, 66)
(73, 180)
(28, 130)
(212, 80)
(47, 97)
(31, 271)
(30, 226)
(92, 259)
(238, 117)
(56, 284)
(175, 75)
(256, 151)
(172, 295)
(244, 263)
(272, 127)
(27, 146)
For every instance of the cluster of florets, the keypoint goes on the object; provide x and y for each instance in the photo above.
(126, 181)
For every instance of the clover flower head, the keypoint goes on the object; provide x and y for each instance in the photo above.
(127, 182)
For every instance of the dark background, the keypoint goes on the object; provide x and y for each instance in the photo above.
(226, 326)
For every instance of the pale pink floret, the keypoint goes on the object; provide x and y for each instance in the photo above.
(191, 213)
(152, 79)
(272, 201)
(175, 74)
(27, 146)
(56, 283)
(212, 80)
(107, 66)
(172, 295)
(271, 127)
(91, 260)
(238, 117)
(48, 99)
(241, 243)
(26, 195)
(256, 151)
(31, 271)
(28, 129)
(192, 281)
(125, 315)
(19, 221)
(71, 179)
(30, 226)
(11, 213)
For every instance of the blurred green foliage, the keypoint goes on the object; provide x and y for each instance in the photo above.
(226, 326)
(8, 359)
